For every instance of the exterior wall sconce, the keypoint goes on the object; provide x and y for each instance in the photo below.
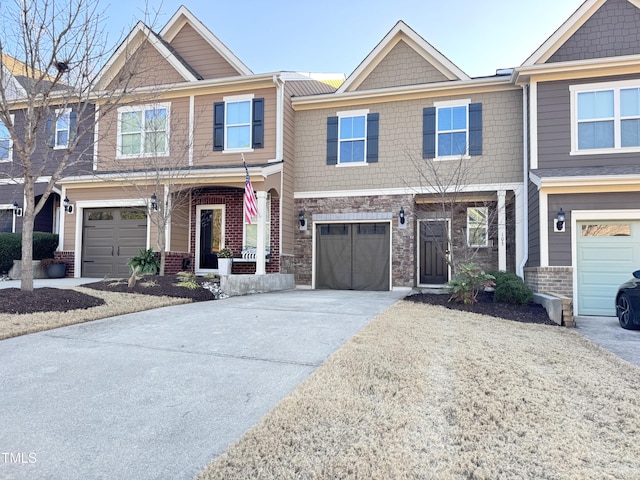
(67, 205)
(17, 210)
(401, 218)
(301, 219)
(560, 217)
(153, 202)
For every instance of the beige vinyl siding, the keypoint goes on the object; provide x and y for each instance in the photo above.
(203, 58)
(99, 194)
(178, 140)
(180, 227)
(203, 128)
(400, 146)
(402, 66)
(149, 67)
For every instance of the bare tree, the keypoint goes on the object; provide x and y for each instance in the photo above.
(51, 54)
(446, 183)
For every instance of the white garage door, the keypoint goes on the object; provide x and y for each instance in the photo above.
(607, 254)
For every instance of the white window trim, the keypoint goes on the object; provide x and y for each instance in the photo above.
(448, 104)
(143, 108)
(9, 207)
(486, 227)
(617, 132)
(10, 158)
(59, 113)
(234, 99)
(348, 114)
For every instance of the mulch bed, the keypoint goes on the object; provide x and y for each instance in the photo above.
(15, 301)
(531, 313)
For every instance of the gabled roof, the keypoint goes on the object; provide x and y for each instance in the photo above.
(183, 16)
(401, 31)
(566, 30)
(139, 34)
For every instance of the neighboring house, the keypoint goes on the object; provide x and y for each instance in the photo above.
(583, 88)
(168, 167)
(55, 133)
(408, 170)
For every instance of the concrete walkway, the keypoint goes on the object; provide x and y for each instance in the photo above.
(50, 282)
(158, 394)
(607, 333)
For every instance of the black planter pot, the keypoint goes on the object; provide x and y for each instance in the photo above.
(56, 270)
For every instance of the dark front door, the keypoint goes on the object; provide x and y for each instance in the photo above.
(211, 228)
(433, 245)
(353, 256)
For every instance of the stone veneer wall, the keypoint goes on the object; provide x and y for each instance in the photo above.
(355, 210)
(550, 280)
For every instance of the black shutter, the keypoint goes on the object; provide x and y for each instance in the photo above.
(372, 137)
(258, 123)
(332, 140)
(475, 129)
(218, 126)
(429, 132)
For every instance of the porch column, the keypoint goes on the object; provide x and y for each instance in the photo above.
(502, 231)
(261, 240)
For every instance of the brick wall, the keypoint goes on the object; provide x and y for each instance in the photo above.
(550, 279)
(232, 199)
(69, 259)
(403, 256)
(173, 262)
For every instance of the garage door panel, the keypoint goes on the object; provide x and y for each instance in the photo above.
(371, 257)
(606, 252)
(334, 257)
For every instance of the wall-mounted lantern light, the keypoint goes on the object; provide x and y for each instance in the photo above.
(401, 218)
(153, 202)
(301, 219)
(17, 210)
(67, 205)
(560, 220)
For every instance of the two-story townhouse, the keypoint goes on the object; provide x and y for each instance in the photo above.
(409, 169)
(169, 163)
(583, 89)
(59, 125)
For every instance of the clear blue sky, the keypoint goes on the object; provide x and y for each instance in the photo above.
(335, 36)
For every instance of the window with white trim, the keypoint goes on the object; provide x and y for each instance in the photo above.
(477, 226)
(605, 117)
(251, 230)
(452, 128)
(143, 131)
(6, 144)
(237, 124)
(62, 128)
(352, 135)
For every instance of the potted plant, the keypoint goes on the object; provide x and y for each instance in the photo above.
(225, 261)
(55, 268)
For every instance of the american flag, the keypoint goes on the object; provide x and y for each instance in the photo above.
(250, 206)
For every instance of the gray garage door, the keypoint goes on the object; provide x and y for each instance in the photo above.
(607, 254)
(353, 256)
(111, 236)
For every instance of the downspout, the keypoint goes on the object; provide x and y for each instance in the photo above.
(525, 173)
(279, 83)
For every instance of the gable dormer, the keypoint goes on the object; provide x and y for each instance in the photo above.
(200, 48)
(598, 29)
(402, 58)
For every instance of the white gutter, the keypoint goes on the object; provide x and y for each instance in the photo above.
(525, 192)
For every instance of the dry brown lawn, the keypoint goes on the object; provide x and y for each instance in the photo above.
(116, 304)
(430, 393)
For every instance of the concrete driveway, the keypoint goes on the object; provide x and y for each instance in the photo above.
(608, 334)
(158, 394)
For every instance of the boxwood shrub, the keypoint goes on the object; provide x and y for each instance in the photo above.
(510, 288)
(44, 245)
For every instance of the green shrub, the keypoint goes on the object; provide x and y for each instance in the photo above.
(513, 290)
(468, 282)
(145, 262)
(502, 276)
(44, 244)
